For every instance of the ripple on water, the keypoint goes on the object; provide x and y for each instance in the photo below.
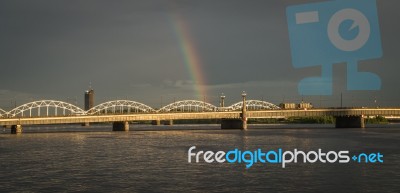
(157, 160)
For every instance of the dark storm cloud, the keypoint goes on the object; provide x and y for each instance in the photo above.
(80, 41)
(130, 49)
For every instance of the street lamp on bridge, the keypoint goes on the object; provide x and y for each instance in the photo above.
(244, 100)
(222, 104)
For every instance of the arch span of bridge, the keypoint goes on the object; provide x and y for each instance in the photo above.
(188, 106)
(120, 106)
(57, 107)
(254, 105)
(48, 108)
(2, 112)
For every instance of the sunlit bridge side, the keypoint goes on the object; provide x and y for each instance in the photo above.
(188, 106)
(254, 105)
(120, 107)
(45, 108)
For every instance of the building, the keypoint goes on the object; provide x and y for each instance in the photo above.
(287, 105)
(89, 99)
(303, 105)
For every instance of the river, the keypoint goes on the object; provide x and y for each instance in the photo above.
(155, 159)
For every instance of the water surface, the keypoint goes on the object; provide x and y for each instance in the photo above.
(154, 158)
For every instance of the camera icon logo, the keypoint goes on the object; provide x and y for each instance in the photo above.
(325, 33)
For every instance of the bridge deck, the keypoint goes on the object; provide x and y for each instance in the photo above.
(198, 115)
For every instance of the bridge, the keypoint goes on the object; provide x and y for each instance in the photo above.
(121, 112)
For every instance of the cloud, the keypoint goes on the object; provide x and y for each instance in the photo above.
(179, 84)
(141, 85)
(9, 99)
(252, 84)
(131, 49)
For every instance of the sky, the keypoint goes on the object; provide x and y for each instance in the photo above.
(159, 51)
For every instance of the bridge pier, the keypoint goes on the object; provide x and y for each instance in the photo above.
(86, 124)
(121, 126)
(164, 122)
(244, 120)
(233, 124)
(16, 129)
(156, 122)
(349, 122)
(237, 123)
(169, 122)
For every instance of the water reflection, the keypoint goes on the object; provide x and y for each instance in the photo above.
(141, 160)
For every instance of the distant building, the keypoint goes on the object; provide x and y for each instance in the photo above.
(89, 99)
(287, 105)
(303, 105)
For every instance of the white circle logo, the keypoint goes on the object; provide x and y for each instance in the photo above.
(359, 20)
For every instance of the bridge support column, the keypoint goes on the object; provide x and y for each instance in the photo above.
(233, 124)
(156, 122)
(350, 122)
(243, 115)
(121, 126)
(169, 122)
(16, 129)
(86, 124)
(244, 121)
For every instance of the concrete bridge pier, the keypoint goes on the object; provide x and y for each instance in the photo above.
(169, 122)
(237, 123)
(16, 129)
(233, 124)
(156, 122)
(121, 126)
(244, 120)
(349, 122)
(86, 124)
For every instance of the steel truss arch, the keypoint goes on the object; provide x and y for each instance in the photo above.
(2, 113)
(254, 105)
(50, 105)
(188, 106)
(120, 107)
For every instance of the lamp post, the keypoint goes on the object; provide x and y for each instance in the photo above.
(222, 104)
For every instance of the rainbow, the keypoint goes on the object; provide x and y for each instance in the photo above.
(190, 55)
